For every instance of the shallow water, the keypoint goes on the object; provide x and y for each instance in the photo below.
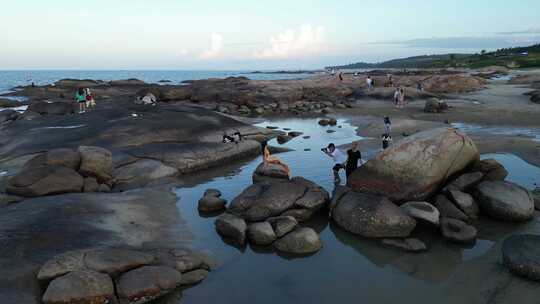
(533, 133)
(348, 269)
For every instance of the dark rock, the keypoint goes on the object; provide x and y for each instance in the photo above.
(465, 202)
(261, 233)
(536, 197)
(521, 255)
(435, 105)
(212, 192)
(324, 122)
(90, 185)
(299, 241)
(269, 173)
(147, 283)
(282, 224)
(448, 209)
(116, 261)
(505, 201)
(330, 131)
(281, 139)
(294, 134)
(6, 199)
(372, 216)
(85, 287)
(301, 215)
(457, 231)
(63, 157)
(466, 181)
(194, 277)
(46, 180)
(492, 169)
(8, 115)
(232, 227)
(211, 204)
(52, 108)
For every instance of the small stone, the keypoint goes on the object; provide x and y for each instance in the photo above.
(465, 202)
(457, 231)
(282, 224)
(422, 211)
(211, 204)
(212, 192)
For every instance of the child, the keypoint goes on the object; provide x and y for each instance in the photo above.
(80, 98)
(339, 160)
(89, 99)
(386, 141)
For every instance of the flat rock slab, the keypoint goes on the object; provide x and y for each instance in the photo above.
(521, 255)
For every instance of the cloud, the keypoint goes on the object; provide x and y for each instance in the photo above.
(306, 40)
(216, 46)
(524, 32)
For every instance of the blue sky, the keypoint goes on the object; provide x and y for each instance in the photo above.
(241, 34)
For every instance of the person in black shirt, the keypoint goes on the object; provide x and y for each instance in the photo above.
(353, 156)
(386, 141)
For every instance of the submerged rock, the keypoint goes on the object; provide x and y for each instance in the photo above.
(521, 255)
(505, 201)
(415, 167)
(300, 241)
(410, 244)
(372, 216)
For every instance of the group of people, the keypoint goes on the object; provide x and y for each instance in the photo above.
(85, 99)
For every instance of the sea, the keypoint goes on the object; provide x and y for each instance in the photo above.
(12, 79)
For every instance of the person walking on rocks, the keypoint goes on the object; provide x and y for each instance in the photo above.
(401, 98)
(339, 160)
(80, 98)
(340, 76)
(369, 82)
(354, 159)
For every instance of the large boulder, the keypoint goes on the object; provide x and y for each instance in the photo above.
(63, 157)
(84, 287)
(147, 283)
(372, 216)
(417, 166)
(300, 241)
(260, 201)
(96, 162)
(521, 255)
(505, 201)
(45, 180)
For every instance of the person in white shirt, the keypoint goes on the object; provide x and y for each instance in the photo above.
(369, 82)
(339, 160)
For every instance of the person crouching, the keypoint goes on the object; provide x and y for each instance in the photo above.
(339, 160)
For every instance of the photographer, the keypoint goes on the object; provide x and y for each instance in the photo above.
(339, 160)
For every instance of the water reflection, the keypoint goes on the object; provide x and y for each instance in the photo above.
(348, 269)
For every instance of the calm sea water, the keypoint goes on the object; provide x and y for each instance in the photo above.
(350, 269)
(11, 79)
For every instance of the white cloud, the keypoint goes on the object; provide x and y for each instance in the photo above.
(306, 40)
(215, 47)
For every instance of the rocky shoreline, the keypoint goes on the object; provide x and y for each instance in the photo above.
(96, 186)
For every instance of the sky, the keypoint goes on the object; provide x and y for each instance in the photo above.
(248, 34)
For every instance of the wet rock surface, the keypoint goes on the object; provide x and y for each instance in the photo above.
(521, 255)
(299, 241)
(457, 231)
(84, 286)
(409, 244)
(505, 201)
(232, 227)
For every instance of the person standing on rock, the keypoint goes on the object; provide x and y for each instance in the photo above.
(387, 125)
(396, 97)
(90, 102)
(386, 141)
(401, 98)
(80, 98)
(369, 82)
(340, 76)
(339, 160)
(354, 158)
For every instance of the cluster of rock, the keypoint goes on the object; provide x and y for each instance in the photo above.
(435, 105)
(118, 275)
(270, 211)
(87, 169)
(434, 178)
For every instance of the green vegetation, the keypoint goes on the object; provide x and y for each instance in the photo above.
(518, 57)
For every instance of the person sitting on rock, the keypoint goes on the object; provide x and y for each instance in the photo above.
(339, 160)
(386, 141)
(235, 138)
(269, 159)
